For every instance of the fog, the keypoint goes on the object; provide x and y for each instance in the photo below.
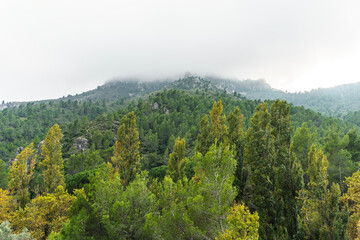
(49, 49)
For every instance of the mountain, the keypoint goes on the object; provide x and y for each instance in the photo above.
(336, 101)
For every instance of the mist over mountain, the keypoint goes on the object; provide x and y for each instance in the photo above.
(335, 101)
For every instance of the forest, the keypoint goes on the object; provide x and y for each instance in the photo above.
(177, 164)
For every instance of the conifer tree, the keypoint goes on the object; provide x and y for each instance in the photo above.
(218, 127)
(320, 215)
(126, 157)
(53, 163)
(288, 172)
(21, 172)
(205, 138)
(216, 130)
(237, 142)
(260, 157)
(177, 161)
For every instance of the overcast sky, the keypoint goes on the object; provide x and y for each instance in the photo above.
(49, 49)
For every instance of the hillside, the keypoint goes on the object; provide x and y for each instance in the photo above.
(336, 101)
(179, 146)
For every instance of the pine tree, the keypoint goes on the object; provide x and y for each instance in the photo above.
(237, 142)
(288, 172)
(21, 172)
(177, 161)
(126, 157)
(320, 215)
(216, 130)
(205, 138)
(260, 157)
(53, 163)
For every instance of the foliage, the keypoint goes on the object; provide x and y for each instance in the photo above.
(126, 152)
(320, 215)
(242, 224)
(3, 174)
(6, 204)
(5, 233)
(44, 214)
(53, 163)
(177, 161)
(21, 172)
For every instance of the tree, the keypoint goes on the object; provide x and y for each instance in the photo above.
(21, 172)
(217, 130)
(214, 177)
(320, 217)
(300, 146)
(177, 161)
(5, 233)
(260, 157)
(126, 157)
(352, 199)
(242, 224)
(44, 214)
(287, 169)
(53, 163)
(205, 138)
(6, 204)
(340, 164)
(237, 141)
(3, 175)
(218, 127)
(275, 176)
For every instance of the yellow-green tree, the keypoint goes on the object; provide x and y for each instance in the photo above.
(44, 214)
(21, 172)
(218, 127)
(319, 215)
(6, 204)
(53, 163)
(126, 157)
(242, 224)
(352, 198)
(177, 161)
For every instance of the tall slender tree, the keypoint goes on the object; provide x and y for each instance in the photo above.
(53, 163)
(21, 172)
(260, 157)
(177, 161)
(126, 157)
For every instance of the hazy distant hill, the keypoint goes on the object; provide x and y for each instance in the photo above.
(336, 101)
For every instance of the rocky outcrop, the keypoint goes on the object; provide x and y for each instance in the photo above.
(81, 144)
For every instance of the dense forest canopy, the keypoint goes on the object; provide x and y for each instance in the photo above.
(179, 160)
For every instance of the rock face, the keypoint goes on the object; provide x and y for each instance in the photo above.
(81, 144)
(18, 151)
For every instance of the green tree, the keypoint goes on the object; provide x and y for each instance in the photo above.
(53, 163)
(237, 141)
(3, 174)
(218, 127)
(21, 172)
(340, 164)
(287, 170)
(177, 161)
(320, 217)
(260, 157)
(126, 157)
(205, 138)
(300, 146)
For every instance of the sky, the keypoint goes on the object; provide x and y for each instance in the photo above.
(49, 49)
